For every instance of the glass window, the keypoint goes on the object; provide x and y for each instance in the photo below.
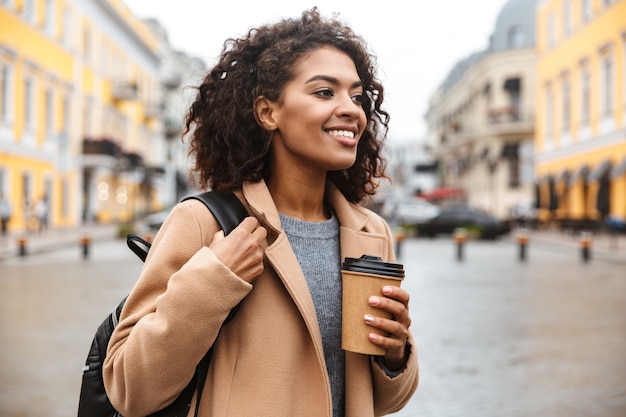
(516, 37)
(49, 103)
(29, 11)
(87, 45)
(29, 104)
(585, 99)
(566, 103)
(67, 27)
(4, 93)
(607, 85)
(549, 111)
(50, 18)
(551, 40)
(567, 17)
(586, 10)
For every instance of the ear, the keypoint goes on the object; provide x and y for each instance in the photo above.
(264, 111)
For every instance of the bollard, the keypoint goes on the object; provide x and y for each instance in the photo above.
(85, 242)
(400, 236)
(522, 240)
(459, 237)
(21, 246)
(585, 246)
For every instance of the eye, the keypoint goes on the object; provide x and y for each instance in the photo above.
(326, 92)
(358, 98)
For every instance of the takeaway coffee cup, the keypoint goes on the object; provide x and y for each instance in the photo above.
(362, 278)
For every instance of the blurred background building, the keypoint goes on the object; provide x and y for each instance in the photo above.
(481, 118)
(581, 112)
(92, 103)
(91, 108)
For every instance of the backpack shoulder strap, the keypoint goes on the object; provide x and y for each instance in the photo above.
(227, 209)
(225, 206)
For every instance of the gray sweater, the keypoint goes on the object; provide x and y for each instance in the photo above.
(316, 246)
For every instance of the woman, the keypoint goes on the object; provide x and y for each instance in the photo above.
(289, 119)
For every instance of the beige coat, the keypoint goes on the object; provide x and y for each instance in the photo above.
(268, 361)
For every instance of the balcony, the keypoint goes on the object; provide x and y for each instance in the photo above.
(101, 147)
(509, 120)
(152, 110)
(124, 90)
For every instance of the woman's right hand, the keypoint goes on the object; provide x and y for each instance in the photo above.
(241, 250)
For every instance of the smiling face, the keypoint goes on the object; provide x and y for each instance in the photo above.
(318, 120)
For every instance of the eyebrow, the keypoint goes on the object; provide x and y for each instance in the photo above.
(332, 80)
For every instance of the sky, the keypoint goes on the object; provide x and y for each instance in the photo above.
(416, 43)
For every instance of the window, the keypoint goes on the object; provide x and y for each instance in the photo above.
(606, 86)
(26, 192)
(585, 96)
(566, 103)
(50, 18)
(29, 11)
(49, 109)
(567, 17)
(87, 119)
(549, 111)
(87, 45)
(65, 115)
(586, 10)
(67, 27)
(29, 104)
(516, 37)
(551, 40)
(5, 93)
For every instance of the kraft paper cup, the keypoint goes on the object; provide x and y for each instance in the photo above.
(362, 278)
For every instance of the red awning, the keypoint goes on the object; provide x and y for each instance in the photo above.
(443, 193)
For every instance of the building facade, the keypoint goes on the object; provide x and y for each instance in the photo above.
(581, 111)
(82, 103)
(481, 118)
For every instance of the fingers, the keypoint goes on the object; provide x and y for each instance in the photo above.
(241, 251)
(394, 301)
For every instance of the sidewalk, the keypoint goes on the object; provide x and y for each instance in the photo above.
(54, 239)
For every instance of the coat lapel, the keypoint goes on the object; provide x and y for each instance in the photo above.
(281, 257)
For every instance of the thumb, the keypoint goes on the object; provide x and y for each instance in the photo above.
(219, 235)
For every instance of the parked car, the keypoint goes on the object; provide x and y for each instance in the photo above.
(410, 211)
(475, 221)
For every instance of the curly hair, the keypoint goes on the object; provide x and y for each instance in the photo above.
(227, 142)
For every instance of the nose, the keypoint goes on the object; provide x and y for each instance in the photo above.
(348, 108)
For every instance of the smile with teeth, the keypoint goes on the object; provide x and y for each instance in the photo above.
(342, 133)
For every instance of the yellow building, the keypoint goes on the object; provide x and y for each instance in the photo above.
(79, 87)
(581, 111)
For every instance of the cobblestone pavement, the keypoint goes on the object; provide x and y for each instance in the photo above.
(496, 336)
(500, 337)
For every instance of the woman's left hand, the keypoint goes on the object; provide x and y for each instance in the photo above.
(394, 301)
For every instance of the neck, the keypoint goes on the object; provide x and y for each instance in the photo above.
(299, 197)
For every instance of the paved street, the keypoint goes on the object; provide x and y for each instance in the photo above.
(497, 337)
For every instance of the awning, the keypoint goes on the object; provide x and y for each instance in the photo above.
(581, 172)
(600, 170)
(619, 169)
(564, 176)
(443, 193)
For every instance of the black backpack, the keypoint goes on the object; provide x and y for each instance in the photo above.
(93, 401)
